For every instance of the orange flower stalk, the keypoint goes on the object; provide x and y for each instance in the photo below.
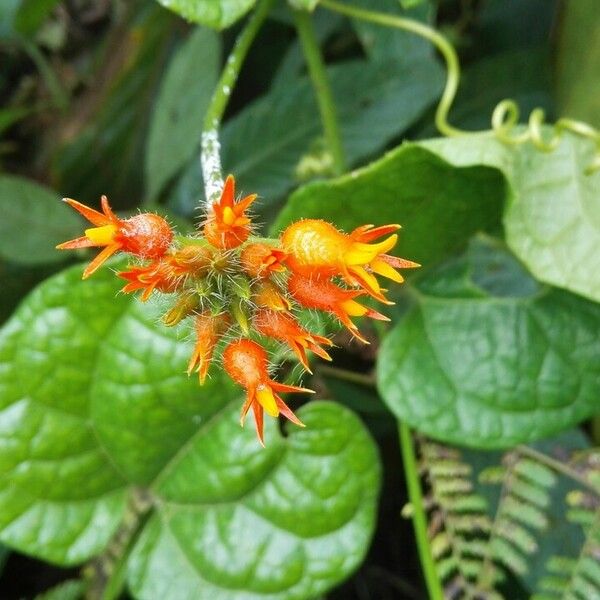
(209, 329)
(282, 326)
(145, 235)
(322, 294)
(246, 363)
(227, 226)
(260, 260)
(191, 260)
(228, 283)
(317, 247)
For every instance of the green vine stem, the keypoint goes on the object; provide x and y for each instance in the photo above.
(318, 76)
(105, 575)
(419, 517)
(210, 154)
(505, 116)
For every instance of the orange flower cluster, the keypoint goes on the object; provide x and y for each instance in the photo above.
(238, 288)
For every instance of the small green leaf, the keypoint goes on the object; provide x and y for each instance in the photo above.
(309, 5)
(73, 589)
(32, 221)
(31, 15)
(578, 64)
(439, 206)
(389, 43)
(95, 400)
(218, 14)
(553, 218)
(490, 371)
(179, 111)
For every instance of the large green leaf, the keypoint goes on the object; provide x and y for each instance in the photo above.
(95, 402)
(179, 111)
(438, 205)
(553, 220)
(60, 499)
(32, 222)
(264, 144)
(488, 358)
(214, 13)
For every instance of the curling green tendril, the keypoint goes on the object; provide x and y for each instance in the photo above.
(505, 117)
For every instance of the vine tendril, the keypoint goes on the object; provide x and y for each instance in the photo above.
(505, 117)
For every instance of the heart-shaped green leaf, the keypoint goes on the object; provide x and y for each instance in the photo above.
(553, 219)
(95, 403)
(439, 206)
(488, 358)
(213, 13)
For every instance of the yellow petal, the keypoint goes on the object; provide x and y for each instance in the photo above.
(363, 254)
(102, 236)
(382, 268)
(353, 308)
(366, 279)
(264, 394)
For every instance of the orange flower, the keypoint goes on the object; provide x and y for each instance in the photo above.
(268, 295)
(227, 225)
(282, 326)
(156, 275)
(209, 329)
(316, 247)
(246, 363)
(322, 294)
(145, 235)
(260, 260)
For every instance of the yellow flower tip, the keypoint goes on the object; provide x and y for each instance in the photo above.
(266, 398)
(353, 308)
(101, 236)
(229, 217)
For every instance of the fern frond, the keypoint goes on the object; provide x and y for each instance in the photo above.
(578, 578)
(458, 521)
(524, 495)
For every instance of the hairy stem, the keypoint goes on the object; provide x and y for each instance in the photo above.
(419, 518)
(210, 154)
(318, 76)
